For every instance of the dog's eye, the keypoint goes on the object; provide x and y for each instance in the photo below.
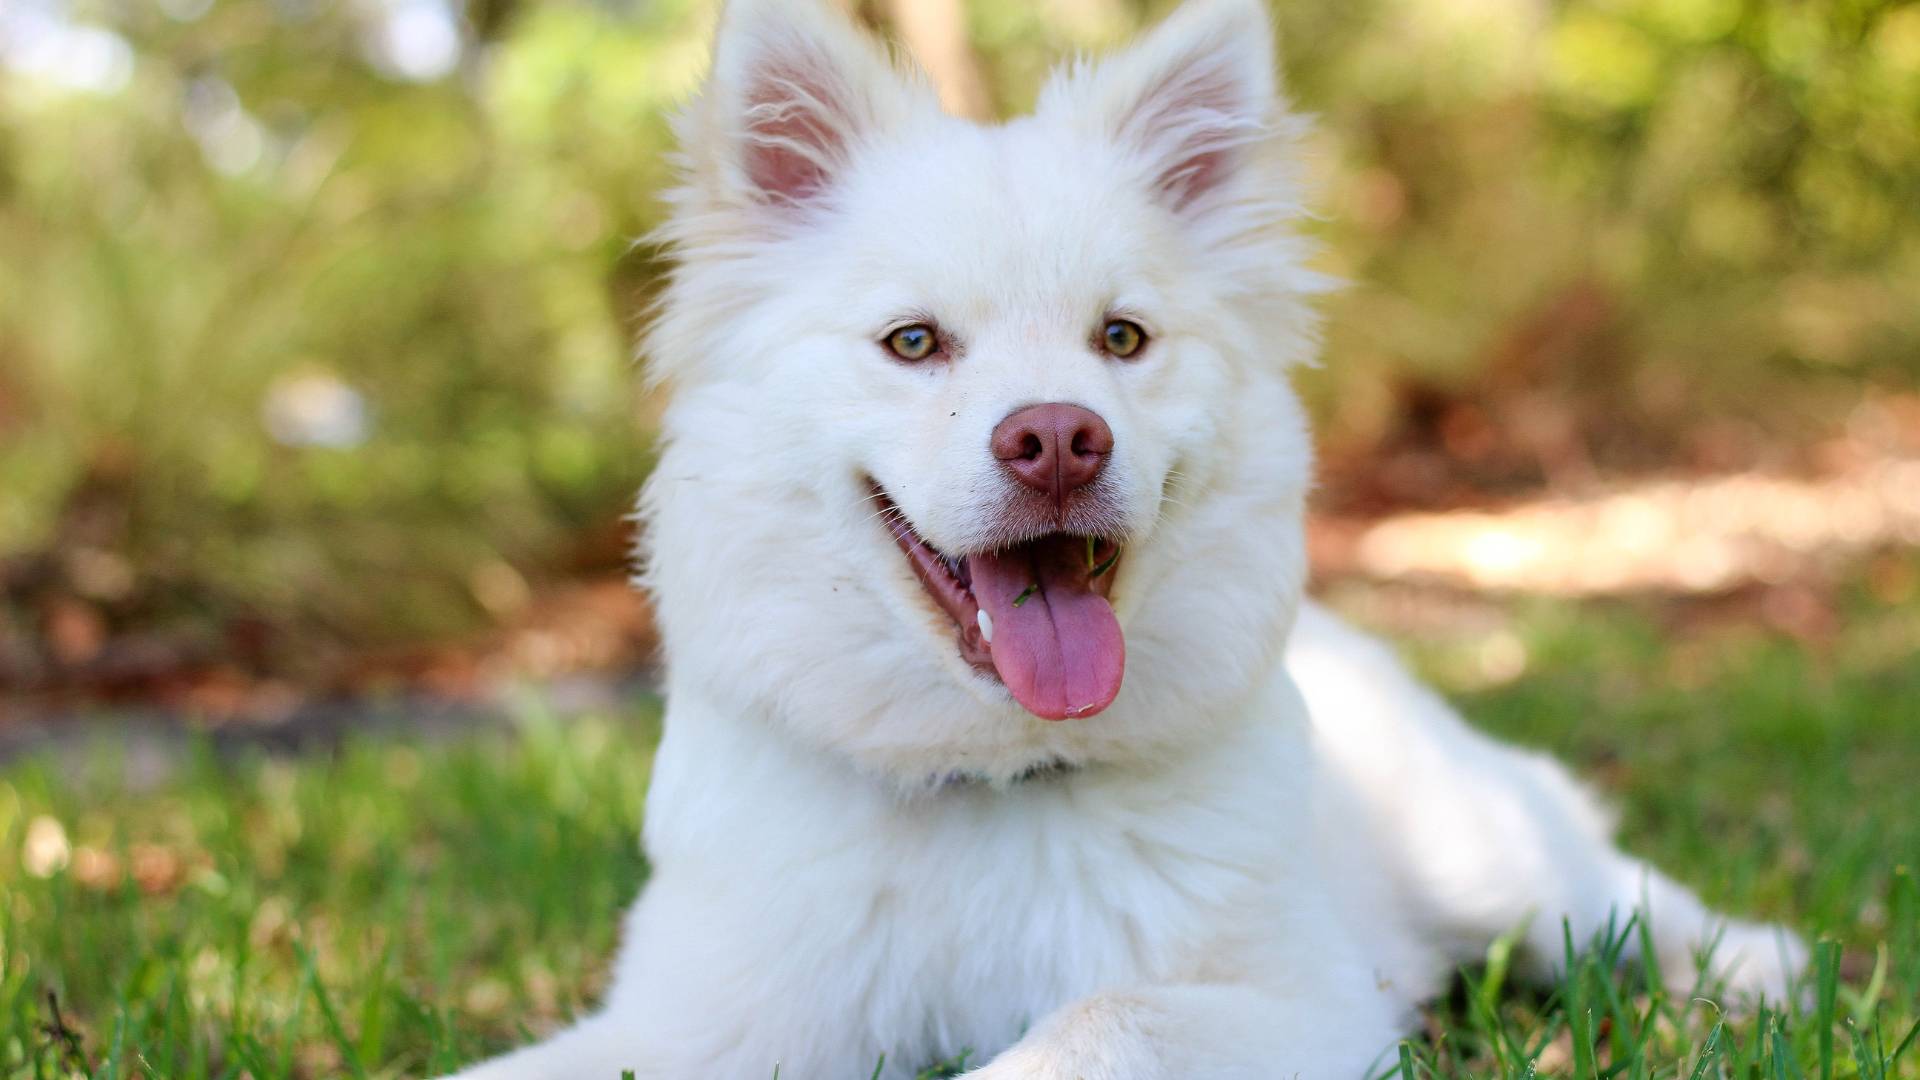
(915, 342)
(1122, 337)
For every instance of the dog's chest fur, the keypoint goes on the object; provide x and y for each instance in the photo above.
(960, 916)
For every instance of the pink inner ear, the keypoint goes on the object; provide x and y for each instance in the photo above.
(795, 132)
(1193, 121)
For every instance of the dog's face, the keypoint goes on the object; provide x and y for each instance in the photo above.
(990, 421)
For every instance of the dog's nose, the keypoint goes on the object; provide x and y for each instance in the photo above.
(1055, 448)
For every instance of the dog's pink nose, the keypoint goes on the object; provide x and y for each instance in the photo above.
(1055, 448)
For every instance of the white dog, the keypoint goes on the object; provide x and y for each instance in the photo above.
(976, 541)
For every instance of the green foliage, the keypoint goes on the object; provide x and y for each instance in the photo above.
(258, 212)
(395, 909)
(1640, 211)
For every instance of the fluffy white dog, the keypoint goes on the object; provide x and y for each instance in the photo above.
(996, 721)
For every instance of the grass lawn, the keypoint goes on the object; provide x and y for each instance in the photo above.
(398, 908)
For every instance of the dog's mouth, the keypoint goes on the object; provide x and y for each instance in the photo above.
(1034, 613)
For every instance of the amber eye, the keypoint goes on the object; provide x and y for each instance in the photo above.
(915, 342)
(1122, 337)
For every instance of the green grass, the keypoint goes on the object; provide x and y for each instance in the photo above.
(395, 908)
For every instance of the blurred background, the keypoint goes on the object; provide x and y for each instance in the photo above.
(317, 321)
(319, 423)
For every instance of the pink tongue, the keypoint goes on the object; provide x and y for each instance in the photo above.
(1059, 650)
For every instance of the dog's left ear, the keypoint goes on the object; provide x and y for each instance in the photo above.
(1190, 104)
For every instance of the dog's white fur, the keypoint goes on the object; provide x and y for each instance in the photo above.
(1262, 856)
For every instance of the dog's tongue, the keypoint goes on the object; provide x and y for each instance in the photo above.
(1059, 650)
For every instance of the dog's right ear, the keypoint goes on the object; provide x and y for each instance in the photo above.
(794, 92)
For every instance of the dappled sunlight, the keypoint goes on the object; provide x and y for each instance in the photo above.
(1675, 535)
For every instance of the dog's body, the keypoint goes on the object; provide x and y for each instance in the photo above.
(918, 364)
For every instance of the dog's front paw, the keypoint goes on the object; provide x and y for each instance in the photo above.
(1023, 1063)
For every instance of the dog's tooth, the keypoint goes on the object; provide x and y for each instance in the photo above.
(986, 625)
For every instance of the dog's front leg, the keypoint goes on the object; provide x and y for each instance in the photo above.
(1204, 1032)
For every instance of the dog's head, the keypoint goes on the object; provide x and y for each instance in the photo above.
(978, 427)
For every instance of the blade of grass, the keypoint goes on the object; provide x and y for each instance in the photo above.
(117, 1049)
(373, 1012)
(290, 1036)
(1709, 1052)
(1826, 968)
(1785, 1065)
(348, 1052)
(1893, 1059)
(1652, 977)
